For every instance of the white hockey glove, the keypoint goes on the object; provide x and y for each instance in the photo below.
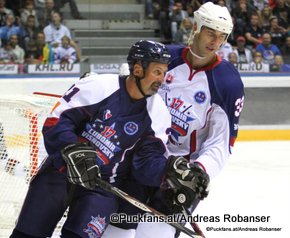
(82, 168)
(188, 182)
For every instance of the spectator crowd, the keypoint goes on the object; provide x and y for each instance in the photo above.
(259, 26)
(32, 32)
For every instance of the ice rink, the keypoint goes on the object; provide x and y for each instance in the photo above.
(255, 182)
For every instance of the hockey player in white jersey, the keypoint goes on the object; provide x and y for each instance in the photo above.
(205, 96)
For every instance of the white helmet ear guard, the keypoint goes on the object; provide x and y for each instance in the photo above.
(215, 17)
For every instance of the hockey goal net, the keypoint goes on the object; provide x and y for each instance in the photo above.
(21, 151)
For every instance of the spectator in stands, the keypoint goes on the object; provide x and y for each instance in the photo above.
(29, 31)
(242, 12)
(163, 17)
(56, 30)
(184, 31)
(16, 50)
(28, 10)
(176, 16)
(224, 51)
(32, 55)
(39, 4)
(286, 50)
(272, 3)
(237, 31)
(233, 58)
(260, 4)
(6, 56)
(44, 12)
(253, 32)
(282, 11)
(277, 32)
(267, 49)
(65, 54)
(15, 6)
(189, 10)
(221, 3)
(265, 15)
(257, 57)
(258, 64)
(278, 62)
(244, 55)
(196, 4)
(9, 28)
(44, 49)
(4, 12)
(73, 7)
(148, 8)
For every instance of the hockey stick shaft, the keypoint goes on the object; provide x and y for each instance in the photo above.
(194, 225)
(47, 94)
(121, 194)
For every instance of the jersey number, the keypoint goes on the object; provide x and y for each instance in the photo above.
(71, 93)
(239, 106)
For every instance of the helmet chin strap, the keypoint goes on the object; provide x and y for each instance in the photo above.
(138, 83)
(195, 55)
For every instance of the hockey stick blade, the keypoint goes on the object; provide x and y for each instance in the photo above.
(121, 194)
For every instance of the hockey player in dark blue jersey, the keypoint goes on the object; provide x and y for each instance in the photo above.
(88, 135)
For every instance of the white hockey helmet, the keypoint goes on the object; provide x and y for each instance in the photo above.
(213, 16)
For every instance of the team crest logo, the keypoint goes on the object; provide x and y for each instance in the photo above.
(96, 227)
(130, 128)
(107, 114)
(200, 97)
(181, 118)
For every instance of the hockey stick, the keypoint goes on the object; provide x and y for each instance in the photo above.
(194, 225)
(47, 94)
(197, 233)
(121, 194)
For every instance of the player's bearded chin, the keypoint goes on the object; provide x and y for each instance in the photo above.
(155, 86)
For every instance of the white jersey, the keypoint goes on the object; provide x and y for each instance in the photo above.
(205, 106)
(61, 54)
(54, 34)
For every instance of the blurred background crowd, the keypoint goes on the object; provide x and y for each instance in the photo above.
(261, 28)
(32, 31)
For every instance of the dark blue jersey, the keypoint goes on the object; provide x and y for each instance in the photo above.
(98, 109)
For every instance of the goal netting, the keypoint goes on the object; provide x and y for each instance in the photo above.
(21, 151)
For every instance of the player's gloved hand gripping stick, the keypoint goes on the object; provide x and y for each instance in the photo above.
(83, 170)
(187, 182)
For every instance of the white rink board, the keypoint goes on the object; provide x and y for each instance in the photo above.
(255, 182)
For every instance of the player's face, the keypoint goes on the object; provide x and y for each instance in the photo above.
(209, 41)
(154, 77)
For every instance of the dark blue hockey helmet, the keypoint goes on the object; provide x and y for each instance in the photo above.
(147, 51)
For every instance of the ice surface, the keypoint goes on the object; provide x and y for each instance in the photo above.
(255, 182)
